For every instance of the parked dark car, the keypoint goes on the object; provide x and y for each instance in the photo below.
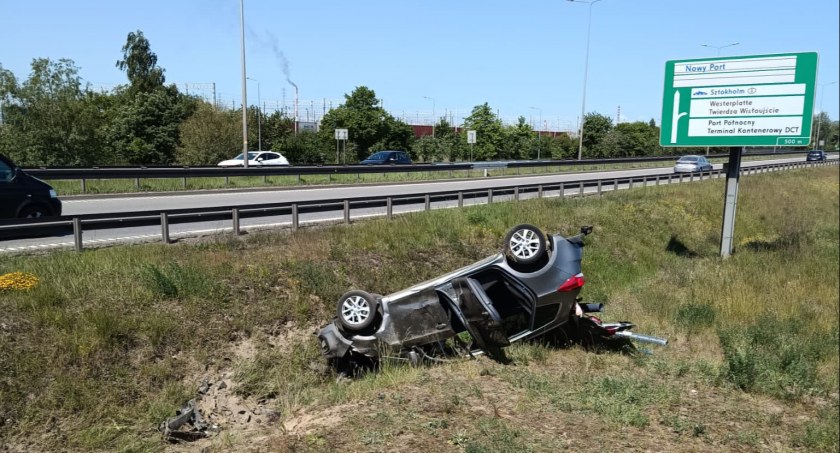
(24, 196)
(387, 157)
(815, 155)
(527, 290)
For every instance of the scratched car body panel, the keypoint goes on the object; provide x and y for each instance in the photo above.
(524, 291)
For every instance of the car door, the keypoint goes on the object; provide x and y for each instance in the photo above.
(10, 196)
(270, 159)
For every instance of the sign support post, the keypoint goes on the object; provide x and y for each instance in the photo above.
(733, 173)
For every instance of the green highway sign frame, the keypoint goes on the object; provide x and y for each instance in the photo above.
(754, 100)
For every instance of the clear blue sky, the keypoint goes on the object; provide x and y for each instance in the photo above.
(522, 57)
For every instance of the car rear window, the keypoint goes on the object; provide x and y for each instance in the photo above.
(687, 159)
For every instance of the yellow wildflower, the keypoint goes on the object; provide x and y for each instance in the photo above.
(18, 280)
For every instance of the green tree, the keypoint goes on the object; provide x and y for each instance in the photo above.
(637, 139)
(145, 126)
(140, 64)
(369, 126)
(276, 128)
(209, 135)
(519, 141)
(822, 124)
(307, 148)
(50, 119)
(563, 147)
(595, 128)
(489, 132)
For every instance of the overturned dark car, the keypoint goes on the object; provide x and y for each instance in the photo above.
(527, 290)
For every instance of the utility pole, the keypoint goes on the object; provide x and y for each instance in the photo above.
(244, 89)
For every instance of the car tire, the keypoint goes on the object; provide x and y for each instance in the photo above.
(357, 310)
(524, 245)
(33, 211)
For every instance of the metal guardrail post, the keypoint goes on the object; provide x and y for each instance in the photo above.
(235, 219)
(428, 202)
(630, 183)
(540, 190)
(346, 211)
(657, 180)
(516, 193)
(77, 233)
(460, 199)
(184, 182)
(389, 208)
(295, 217)
(489, 196)
(84, 185)
(164, 227)
(580, 194)
(615, 185)
(227, 180)
(265, 179)
(599, 187)
(137, 183)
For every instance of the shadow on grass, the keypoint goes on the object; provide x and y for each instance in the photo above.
(780, 243)
(676, 247)
(590, 339)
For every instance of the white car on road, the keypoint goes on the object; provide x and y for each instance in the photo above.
(689, 164)
(256, 159)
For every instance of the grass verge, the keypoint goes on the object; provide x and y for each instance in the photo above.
(111, 341)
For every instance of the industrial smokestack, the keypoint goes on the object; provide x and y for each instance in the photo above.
(296, 107)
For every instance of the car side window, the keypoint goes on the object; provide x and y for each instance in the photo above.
(6, 172)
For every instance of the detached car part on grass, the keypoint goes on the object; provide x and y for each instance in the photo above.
(527, 290)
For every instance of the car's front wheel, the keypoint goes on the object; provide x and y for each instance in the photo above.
(524, 245)
(357, 310)
(34, 212)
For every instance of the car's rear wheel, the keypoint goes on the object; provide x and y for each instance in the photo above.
(524, 245)
(357, 310)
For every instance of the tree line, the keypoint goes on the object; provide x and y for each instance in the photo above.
(53, 119)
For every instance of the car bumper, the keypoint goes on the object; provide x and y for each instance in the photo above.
(55, 205)
(686, 169)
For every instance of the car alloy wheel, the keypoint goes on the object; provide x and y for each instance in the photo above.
(525, 244)
(357, 310)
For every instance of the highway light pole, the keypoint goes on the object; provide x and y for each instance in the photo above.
(434, 118)
(718, 54)
(720, 47)
(819, 120)
(244, 89)
(539, 132)
(259, 115)
(585, 71)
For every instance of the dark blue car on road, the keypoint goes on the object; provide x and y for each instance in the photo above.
(387, 157)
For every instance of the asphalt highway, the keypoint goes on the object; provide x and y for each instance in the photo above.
(148, 202)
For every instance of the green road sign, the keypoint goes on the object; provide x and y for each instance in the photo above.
(756, 100)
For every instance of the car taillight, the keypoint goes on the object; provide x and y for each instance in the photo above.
(572, 283)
